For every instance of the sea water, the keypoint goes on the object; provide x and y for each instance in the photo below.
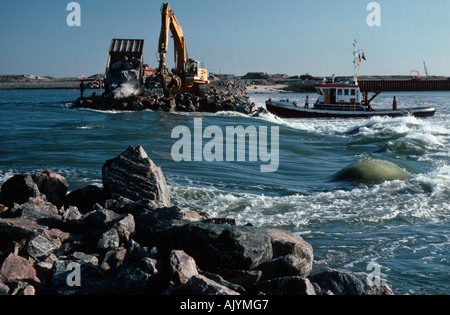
(401, 224)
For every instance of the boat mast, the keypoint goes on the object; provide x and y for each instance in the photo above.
(355, 63)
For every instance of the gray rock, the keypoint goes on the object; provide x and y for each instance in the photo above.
(133, 175)
(182, 267)
(292, 256)
(71, 214)
(94, 224)
(37, 208)
(285, 243)
(53, 186)
(244, 278)
(156, 226)
(200, 285)
(109, 239)
(18, 189)
(125, 227)
(285, 266)
(344, 283)
(85, 257)
(40, 247)
(140, 277)
(216, 246)
(286, 286)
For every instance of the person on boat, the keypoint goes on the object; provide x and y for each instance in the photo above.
(82, 88)
(307, 102)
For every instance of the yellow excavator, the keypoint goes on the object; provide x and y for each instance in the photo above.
(188, 76)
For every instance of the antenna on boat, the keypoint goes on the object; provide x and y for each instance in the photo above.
(356, 60)
(355, 63)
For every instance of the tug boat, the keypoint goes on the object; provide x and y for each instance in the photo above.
(343, 100)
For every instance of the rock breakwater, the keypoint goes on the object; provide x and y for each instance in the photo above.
(211, 99)
(126, 238)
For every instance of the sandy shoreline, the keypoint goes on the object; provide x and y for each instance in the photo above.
(262, 89)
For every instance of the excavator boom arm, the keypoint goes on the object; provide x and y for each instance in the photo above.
(170, 22)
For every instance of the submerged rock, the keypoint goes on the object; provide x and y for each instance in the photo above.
(372, 171)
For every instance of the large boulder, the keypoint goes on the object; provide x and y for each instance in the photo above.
(37, 208)
(16, 268)
(53, 186)
(18, 189)
(85, 198)
(133, 175)
(292, 256)
(215, 246)
(156, 226)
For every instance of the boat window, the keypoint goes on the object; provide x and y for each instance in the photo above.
(353, 92)
(346, 92)
(339, 92)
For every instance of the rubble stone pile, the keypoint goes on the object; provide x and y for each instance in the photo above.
(212, 99)
(126, 238)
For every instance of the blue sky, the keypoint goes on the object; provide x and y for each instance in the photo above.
(231, 36)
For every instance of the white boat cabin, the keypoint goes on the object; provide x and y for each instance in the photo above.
(338, 94)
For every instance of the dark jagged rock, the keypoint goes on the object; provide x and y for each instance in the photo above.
(40, 246)
(77, 277)
(286, 286)
(225, 246)
(157, 226)
(37, 208)
(18, 189)
(244, 278)
(85, 198)
(133, 175)
(344, 283)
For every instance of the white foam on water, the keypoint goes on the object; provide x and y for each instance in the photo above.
(89, 127)
(424, 196)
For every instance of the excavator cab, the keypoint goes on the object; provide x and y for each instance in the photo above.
(193, 71)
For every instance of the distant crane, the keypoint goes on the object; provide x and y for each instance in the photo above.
(425, 67)
(415, 77)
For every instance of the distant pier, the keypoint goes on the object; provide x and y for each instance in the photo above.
(404, 83)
